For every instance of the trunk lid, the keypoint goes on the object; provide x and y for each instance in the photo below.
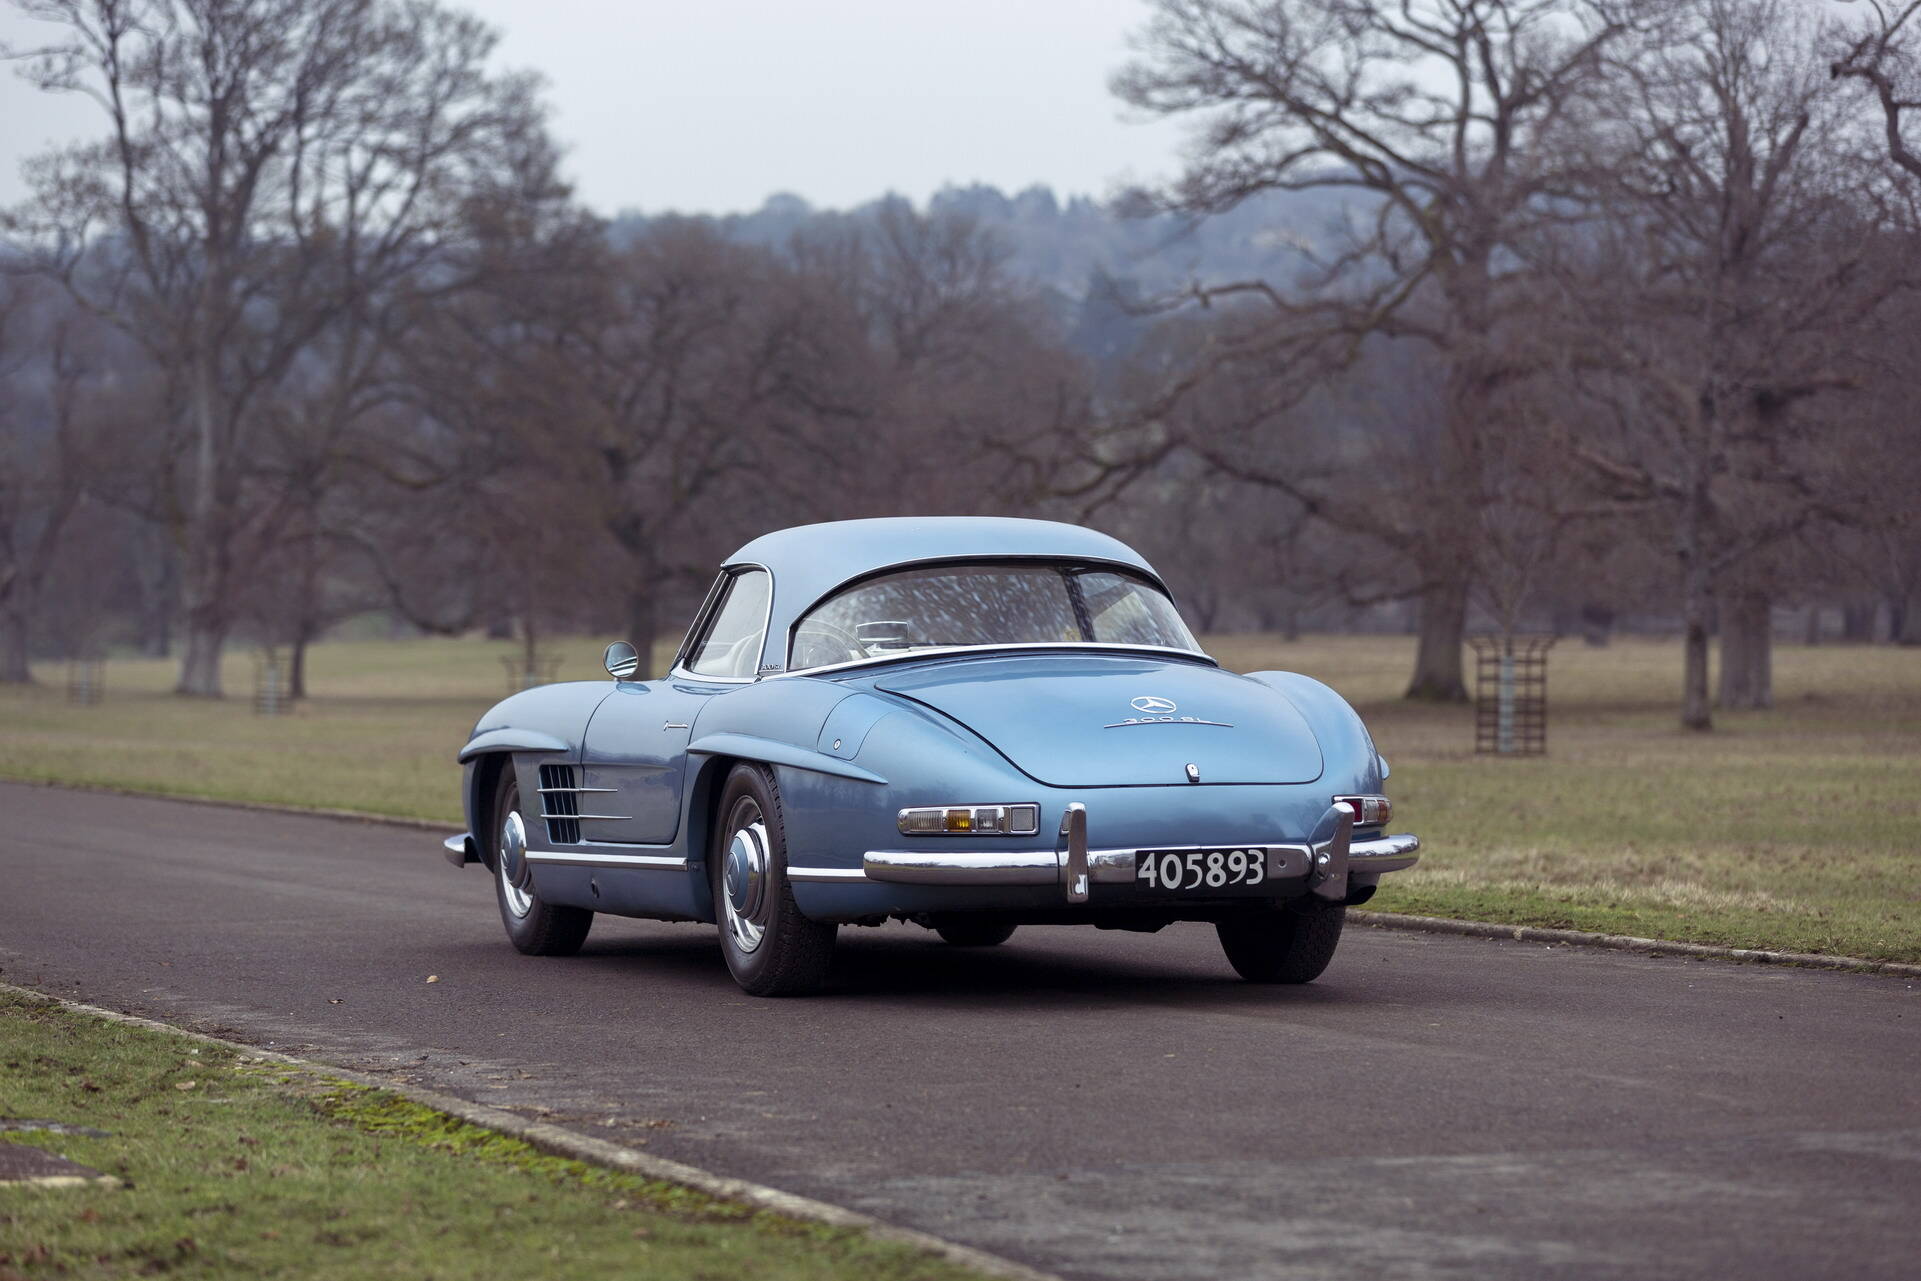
(1119, 720)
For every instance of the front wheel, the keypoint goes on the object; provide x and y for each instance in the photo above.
(535, 926)
(1282, 947)
(771, 949)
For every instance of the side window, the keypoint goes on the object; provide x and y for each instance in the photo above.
(731, 644)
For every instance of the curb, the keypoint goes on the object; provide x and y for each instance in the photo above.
(558, 1141)
(1629, 943)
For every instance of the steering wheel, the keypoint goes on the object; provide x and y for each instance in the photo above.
(829, 636)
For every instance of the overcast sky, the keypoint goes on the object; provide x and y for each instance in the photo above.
(712, 105)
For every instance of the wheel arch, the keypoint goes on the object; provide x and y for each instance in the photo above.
(483, 777)
(708, 778)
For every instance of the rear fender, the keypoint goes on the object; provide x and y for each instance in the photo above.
(1352, 764)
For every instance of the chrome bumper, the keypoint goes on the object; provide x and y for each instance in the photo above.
(459, 850)
(1327, 867)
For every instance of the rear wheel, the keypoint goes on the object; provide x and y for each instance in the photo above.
(1282, 947)
(771, 949)
(535, 927)
(966, 931)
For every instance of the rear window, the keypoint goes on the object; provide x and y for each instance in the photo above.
(939, 607)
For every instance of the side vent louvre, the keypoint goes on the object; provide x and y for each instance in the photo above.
(560, 804)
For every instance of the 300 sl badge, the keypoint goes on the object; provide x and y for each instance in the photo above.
(1155, 710)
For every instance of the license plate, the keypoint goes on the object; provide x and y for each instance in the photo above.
(1207, 871)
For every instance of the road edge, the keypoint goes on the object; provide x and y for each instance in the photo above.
(1630, 943)
(559, 1141)
(1380, 920)
(221, 802)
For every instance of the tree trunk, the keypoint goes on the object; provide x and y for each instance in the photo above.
(1697, 602)
(1904, 624)
(1437, 661)
(1694, 675)
(204, 582)
(297, 665)
(1857, 622)
(1811, 630)
(200, 660)
(159, 592)
(15, 668)
(1747, 652)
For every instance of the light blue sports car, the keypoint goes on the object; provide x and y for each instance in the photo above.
(968, 723)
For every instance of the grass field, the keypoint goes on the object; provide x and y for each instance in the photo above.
(232, 1167)
(1797, 828)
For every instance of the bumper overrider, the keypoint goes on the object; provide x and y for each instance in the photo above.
(1328, 868)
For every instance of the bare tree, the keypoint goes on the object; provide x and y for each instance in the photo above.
(1881, 53)
(269, 164)
(1717, 306)
(1444, 116)
(51, 436)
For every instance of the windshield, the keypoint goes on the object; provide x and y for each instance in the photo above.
(952, 605)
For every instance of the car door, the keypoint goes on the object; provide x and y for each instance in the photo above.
(634, 760)
(634, 754)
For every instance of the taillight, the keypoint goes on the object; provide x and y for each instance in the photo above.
(1369, 811)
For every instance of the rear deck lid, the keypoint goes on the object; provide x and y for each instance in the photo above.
(1115, 720)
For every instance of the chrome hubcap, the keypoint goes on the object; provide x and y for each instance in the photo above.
(744, 880)
(512, 866)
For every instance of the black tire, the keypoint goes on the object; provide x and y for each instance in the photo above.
(771, 949)
(1282, 947)
(974, 931)
(541, 929)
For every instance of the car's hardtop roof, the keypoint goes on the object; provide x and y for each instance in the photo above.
(809, 561)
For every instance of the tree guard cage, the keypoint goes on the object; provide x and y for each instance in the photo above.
(86, 681)
(271, 692)
(1510, 694)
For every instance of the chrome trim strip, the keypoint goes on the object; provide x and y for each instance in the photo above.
(576, 789)
(580, 858)
(957, 867)
(605, 818)
(827, 875)
(939, 651)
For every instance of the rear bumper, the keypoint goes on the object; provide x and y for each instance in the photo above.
(1330, 869)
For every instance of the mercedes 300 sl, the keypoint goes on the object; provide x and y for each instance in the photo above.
(968, 723)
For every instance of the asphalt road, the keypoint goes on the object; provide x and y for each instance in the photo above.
(1096, 1104)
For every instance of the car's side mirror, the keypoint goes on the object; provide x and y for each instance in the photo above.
(622, 662)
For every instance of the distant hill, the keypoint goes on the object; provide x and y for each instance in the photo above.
(1086, 255)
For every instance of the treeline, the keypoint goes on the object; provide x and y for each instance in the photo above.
(1591, 314)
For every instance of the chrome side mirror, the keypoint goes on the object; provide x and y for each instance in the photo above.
(622, 662)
